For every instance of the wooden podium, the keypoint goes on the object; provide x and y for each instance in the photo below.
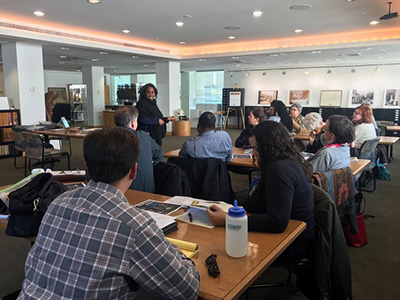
(235, 109)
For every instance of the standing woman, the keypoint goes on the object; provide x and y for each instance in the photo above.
(282, 192)
(151, 119)
(365, 129)
(278, 109)
(256, 116)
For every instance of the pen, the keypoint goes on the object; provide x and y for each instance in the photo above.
(190, 217)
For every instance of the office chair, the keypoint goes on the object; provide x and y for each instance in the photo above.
(368, 151)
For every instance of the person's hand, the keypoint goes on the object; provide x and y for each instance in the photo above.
(171, 118)
(311, 137)
(161, 122)
(216, 215)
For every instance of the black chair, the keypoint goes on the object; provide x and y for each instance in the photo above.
(208, 178)
(368, 151)
(326, 274)
(35, 148)
(170, 180)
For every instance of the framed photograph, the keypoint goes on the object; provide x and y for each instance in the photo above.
(301, 96)
(331, 98)
(265, 97)
(61, 92)
(392, 97)
(359, 97)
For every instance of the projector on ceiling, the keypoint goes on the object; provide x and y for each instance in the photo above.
(389, 15)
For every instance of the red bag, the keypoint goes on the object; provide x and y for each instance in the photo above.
(359, 239)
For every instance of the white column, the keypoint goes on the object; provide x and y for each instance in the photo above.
(93, 77)
(24, 80)
(168, 85)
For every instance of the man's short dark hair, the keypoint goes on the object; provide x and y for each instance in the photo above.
(124, 116)
(110, 153)
(207, 120)
(342, 128)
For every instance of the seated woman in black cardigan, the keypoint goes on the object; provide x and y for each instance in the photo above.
(282, 192)
(256, 116)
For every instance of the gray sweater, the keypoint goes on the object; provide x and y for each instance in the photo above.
(330, 159)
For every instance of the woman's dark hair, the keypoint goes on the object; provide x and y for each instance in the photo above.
(281, 109)
(261, 113)
(143, 89)
(274, 143)
(342, 128)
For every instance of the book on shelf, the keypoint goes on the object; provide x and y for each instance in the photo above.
(188, 248)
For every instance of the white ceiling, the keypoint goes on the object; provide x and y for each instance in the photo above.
(152, 23)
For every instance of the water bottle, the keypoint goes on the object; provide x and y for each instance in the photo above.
(236, 231)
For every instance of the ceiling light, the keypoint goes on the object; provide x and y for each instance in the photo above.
(202, 59)
(349, 0)
(353, 70)
(77, 70)
(363, 12)
(93, 1)
(187, 16)
(298, 30)
(377, 69)
(264, 73)
(179, 24)
(316, 52)
(134, 56)
(306, 72)
(237, 65)
(146, 65)
(64, 48)
(257, 13)
(231, 74)
(61, 62)
(235, 57)
(63, 56)
(103, 52)
(156, 37)
(273, 55)
(38, 13)
(247, 74)
(267, 63)
(373, 22)
(234, 27)
(283, 72)
(182, 43)
(231, 37)
(126, 31)
(300, 7)
(95, 59)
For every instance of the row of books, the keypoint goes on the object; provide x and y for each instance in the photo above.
(6, 135)
(6, 149)
(8, 118)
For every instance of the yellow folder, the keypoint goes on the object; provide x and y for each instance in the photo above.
(188, 248)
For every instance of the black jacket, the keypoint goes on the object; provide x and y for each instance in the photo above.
(170, 180)
(243, 139)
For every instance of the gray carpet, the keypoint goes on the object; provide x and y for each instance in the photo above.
(375, 266)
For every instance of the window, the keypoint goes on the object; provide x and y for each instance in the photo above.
(209, 87)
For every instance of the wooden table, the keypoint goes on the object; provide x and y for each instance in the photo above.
(393, 128)
(388, 141)
(356, 166)
(65, 132)
(237, 274)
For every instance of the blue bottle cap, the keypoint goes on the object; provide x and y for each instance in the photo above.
(236, 211)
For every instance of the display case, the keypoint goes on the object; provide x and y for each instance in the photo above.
(78, 101)
(8, 119)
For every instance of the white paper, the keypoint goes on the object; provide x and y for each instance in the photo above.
(234, 99)
(189, 201)
(198, 217)
(162, 221)
(4, 103)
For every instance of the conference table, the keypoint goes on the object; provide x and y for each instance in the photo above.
(393, 128)
(62, 132)
(357, 165)
(237, 274)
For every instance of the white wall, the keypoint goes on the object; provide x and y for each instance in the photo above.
(317, 80)
(61, 79)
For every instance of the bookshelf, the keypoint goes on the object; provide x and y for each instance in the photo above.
(8, 119)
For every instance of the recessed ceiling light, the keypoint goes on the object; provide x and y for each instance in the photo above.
(300, 61)
(63, 56)
(316, 52)
(64, 48)
(349, 0)
(237, 65)
(187, 16)
(146, 65)
(373, 22)
(231, 37)
(182, 43)
(77, 70)
(179, 24)
(235, 57)
(126, 31)
(267, 63)
(298, 30)
(38, 13)
(233, 27)
(93, 1)
(363, 12)
(339, 59)
(95, 59)
(134, 56)
(273, 55)
(103, 52)
(300, 7)
(367, 49)
(156, 37)
(380, 57)
(257, 13)
(202, 59)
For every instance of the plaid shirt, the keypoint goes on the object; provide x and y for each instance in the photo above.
(92, 244)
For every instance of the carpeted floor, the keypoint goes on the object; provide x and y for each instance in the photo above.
(375, 266)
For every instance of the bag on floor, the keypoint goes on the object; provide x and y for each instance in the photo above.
(359, 239)
(381, 171)
(28, 204)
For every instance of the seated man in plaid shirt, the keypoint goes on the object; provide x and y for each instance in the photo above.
(92, 244)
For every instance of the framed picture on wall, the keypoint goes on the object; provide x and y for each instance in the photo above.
(265, 97)
(301, 96)
(331, 98)
(359, 97)
(62, 96)
(392, 97)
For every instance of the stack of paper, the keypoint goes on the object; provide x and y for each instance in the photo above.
(188, 248)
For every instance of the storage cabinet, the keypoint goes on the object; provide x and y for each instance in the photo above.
(78, 100)
(8, 119)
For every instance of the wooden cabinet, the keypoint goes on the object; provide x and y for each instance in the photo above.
(108, 118)
(8, 119)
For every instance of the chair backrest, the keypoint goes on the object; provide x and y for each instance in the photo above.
(170, 180)
(19, 140)
(208, 178)
(34, 145)
(340, 185)
(368, 151)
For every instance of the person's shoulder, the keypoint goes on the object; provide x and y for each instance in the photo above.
(222, 133)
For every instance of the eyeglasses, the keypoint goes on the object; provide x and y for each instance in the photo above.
(211, 263)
